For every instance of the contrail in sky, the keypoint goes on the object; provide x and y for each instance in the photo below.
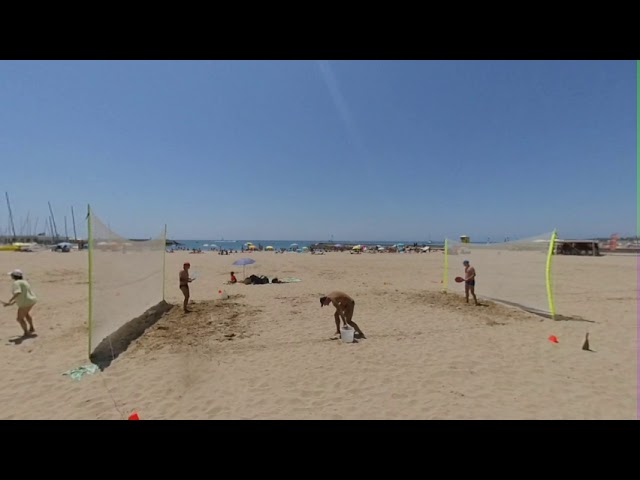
(341, 105)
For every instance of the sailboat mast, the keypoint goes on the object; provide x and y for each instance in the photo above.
(73, 219)
(13, 228)
(53, 222)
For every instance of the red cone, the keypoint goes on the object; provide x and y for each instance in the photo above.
(553, 339)
(134, 416)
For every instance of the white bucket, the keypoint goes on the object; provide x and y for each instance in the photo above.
(347, 334)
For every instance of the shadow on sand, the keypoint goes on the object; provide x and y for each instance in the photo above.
(540, 313)
(22, 338)
(115, 344)
(356, 336)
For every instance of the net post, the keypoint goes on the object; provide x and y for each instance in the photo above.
(445, 280)
(550, 253)
(164, 262)
(90, 257)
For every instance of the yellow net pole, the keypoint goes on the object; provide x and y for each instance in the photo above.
(90, 241)
(552, 306)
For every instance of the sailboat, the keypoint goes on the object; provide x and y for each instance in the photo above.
(222, 240)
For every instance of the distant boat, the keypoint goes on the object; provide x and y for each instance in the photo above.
(222, 240)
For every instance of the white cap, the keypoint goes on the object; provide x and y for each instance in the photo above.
(16, 273)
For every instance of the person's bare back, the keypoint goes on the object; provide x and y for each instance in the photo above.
(339, 299)
(184, 278)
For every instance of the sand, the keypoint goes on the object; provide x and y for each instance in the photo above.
(269, 351)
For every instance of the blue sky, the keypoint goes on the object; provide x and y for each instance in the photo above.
(367, 150)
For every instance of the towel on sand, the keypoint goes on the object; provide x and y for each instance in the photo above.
(286, 280)
(78, 373)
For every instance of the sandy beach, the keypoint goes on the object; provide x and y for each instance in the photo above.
(269, 351)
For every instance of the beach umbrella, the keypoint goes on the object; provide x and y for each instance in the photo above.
(268, 247)
(244, 262)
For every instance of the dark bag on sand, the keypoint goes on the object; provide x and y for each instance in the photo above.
(259, 280)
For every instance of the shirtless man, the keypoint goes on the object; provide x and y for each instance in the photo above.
(344, 308)
(469, 281)
(184, 284)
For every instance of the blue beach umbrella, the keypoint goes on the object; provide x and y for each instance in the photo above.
(243, 262)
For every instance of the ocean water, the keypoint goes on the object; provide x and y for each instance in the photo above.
(278, 244)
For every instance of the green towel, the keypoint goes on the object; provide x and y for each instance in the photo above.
(286, 280)
(78, 373)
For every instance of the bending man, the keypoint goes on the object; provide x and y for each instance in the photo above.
(344, 309)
